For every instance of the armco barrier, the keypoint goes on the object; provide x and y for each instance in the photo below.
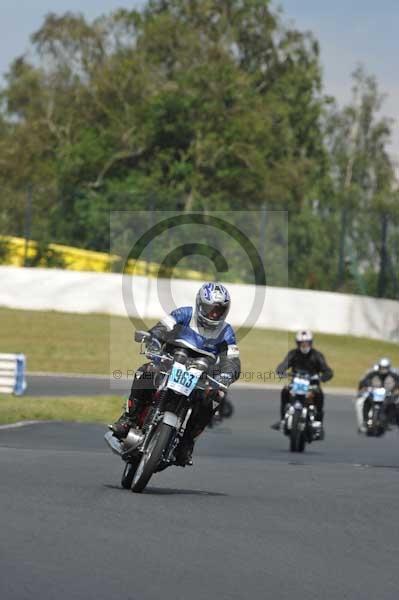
(77, 259)
(283, 308)
(12, 374)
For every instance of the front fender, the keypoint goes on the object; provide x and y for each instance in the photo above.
(170, 419)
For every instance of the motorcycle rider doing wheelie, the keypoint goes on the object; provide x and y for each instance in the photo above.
(208, 320)
(381, 375)
(304, 358)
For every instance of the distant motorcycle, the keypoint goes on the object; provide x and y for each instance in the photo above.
(392, 407)
(300, 423)
(181, 377)
(377, 416)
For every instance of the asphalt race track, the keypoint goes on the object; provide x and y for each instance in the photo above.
(69, 385)
(249, 520)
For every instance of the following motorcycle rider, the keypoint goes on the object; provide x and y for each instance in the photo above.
(381, 375)
(208, 319)
(304, 358)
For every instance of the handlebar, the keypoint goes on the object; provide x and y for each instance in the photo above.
(155, 356)
(146, 338)
(313, 379)
(141, 336)
(215, 384)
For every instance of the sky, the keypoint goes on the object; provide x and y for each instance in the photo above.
(349, 32)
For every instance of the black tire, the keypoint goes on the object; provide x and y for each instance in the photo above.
(378, 427)
(309, 433)
(151, 457)
(129, 472)
(302, 442)
(381, 429)
(297, 437)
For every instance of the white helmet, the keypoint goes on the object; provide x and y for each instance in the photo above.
(384, 365)
(304, 341)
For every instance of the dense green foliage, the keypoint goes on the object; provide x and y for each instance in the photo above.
(198, 105)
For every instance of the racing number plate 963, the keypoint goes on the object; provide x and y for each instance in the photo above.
(182, 380)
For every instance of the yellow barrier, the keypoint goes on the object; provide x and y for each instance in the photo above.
(77, 259)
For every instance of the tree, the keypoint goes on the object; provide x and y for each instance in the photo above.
(364, 181)
(207, 104)
(212, 104)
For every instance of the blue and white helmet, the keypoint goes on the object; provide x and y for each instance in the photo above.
(212, 305)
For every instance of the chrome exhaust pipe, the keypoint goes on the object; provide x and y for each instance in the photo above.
(115, 445)
(131, 442)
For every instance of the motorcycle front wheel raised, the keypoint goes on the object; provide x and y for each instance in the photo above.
(151, 457)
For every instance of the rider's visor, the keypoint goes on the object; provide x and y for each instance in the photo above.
(305, 345)
(214, 312)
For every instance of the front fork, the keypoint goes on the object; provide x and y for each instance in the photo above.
(180, 430)
(375, 411)
(292, 409)
(307, 417)
(177, 418)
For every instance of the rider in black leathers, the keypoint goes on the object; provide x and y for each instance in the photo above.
(381, 375)
(304, 358)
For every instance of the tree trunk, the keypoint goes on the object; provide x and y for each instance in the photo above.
(382, 277)
(189, 202)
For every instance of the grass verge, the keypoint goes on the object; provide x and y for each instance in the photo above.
(100, 344)
(99, 409)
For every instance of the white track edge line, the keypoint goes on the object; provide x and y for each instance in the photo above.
(22, 424)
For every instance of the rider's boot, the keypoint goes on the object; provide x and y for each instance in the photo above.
(126, 421)
(184, 452)
(320, 433)
(195, 426)
(121, 427)
(278, 425)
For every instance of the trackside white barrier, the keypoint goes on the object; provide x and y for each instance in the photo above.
(12, 374)
(283, 308)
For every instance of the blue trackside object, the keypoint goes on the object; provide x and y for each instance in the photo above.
(20, 381)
